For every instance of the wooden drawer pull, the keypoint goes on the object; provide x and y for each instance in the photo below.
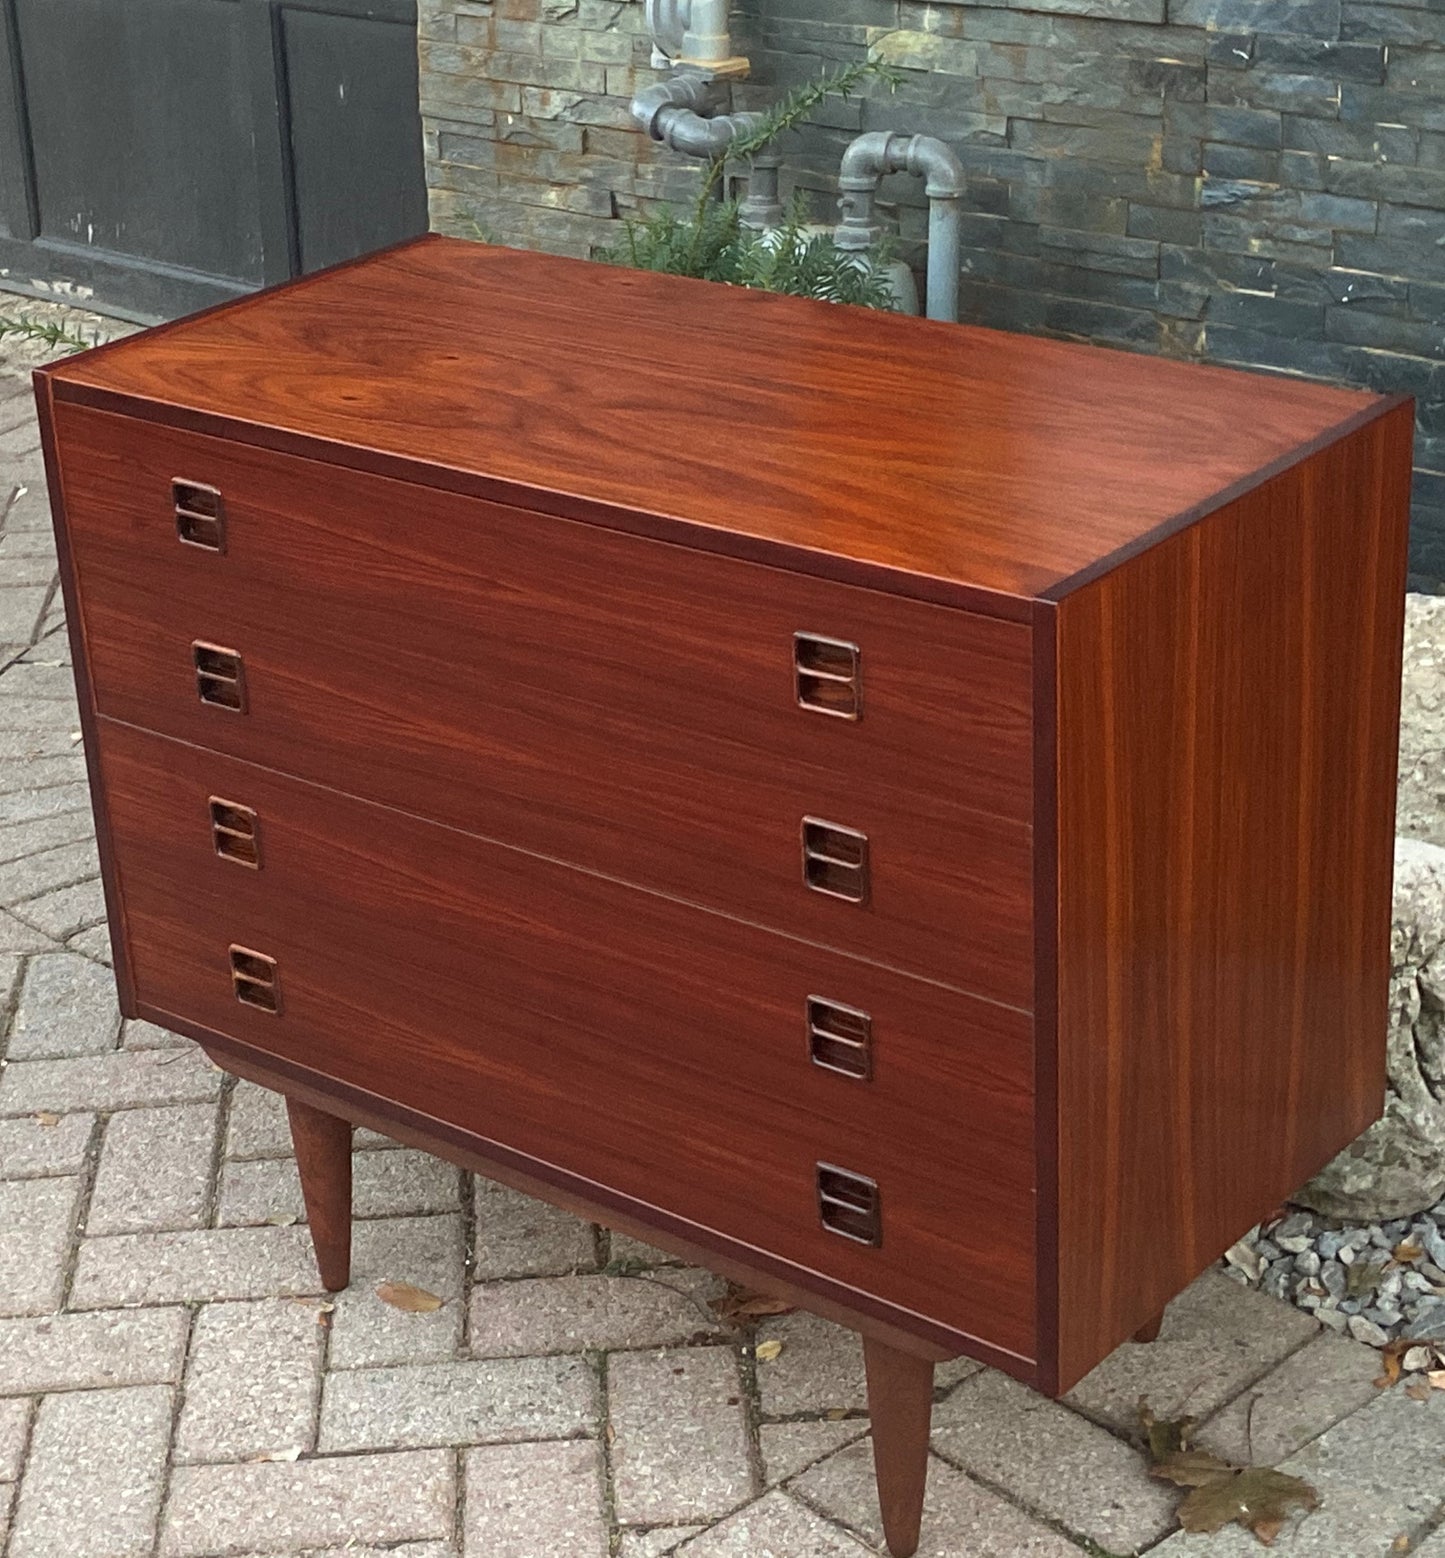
(255, 980)
(200, 515)
(835, 860)
(220, 676)
(840, 1038)
(850, 1205)
(235, 832)
(828, 675)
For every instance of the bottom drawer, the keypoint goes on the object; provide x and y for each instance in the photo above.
(653, 1049)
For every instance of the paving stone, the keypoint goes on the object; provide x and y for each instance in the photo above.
(94, 944)
(21, 608)
(67, 1007)
(119, 1081)
(958, 1516)
(384, 1184)
(92, 1351)
(14, 1427)
(1052, 1461)
(568, 1314)
(259, 1128)
(208, 1264)
(16, 936)
(1217, 1337)
(654, 1543)
(789, 1448)
(45, 833)
(34, 875)
(31, 1149)
(285, 1507)
(94, 1476)
(820, 1368)
(139, 1034)
(457, 1403)
(252, 1381)
(519, 1237)
(37, 678)
(33, 773)
(155, 1170)
(623, 1247)
(535, 1501)
(66, 910)
(680, 1449)
(30, 805)
(35, 718)
(1379, 1473)
(1327, 1379)
(366, 1333)
(7, 1503)
(36, 1219)
(774, 1527)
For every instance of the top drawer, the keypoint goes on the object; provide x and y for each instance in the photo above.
(622, 704)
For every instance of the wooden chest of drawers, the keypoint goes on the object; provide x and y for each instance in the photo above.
(898, 812)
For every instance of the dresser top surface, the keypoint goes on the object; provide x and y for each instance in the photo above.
(834, 439)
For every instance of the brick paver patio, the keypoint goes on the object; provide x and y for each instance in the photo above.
(172, 1382)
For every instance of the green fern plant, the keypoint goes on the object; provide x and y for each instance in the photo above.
(48, 331)
(709, 242)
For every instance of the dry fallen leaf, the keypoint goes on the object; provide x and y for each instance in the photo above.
(1418, 1390)
(1392, 1356)
(1163, 1436)
(1401, 1544)
(47, 1119)
(1407, 1252)
(414, 1300)
(740, 1305)
(767, 1351)
(1437, 1379)
(1259, 1499)
(278, 1455)
(1191, 1468)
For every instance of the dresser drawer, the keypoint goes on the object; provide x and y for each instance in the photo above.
(619, 703)
(651, 1048)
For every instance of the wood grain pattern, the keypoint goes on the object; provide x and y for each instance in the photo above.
(624, 705)
(653, 1049)
(900, 1414)
(953, 462)
(322, 1143)
(1228, 708)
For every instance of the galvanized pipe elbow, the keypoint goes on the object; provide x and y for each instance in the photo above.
(683, 113)
(934, 161)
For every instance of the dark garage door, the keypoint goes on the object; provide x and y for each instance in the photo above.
(166, 154)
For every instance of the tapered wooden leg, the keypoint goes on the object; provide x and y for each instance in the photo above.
(1150, 1332)
(900, 1404)
(323, 1154)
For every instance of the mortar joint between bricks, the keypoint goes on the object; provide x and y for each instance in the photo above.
(178, 1401)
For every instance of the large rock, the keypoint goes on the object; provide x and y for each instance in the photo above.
(1421, 811)
(1397, 1167)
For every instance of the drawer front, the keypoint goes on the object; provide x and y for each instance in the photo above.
(654, 1049)
(619, 703)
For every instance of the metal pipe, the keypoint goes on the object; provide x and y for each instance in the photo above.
(865, 163)
(683, 112)
(762, 207)
(706, 39)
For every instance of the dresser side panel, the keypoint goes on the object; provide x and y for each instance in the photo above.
(1228, 708)
(55, 460)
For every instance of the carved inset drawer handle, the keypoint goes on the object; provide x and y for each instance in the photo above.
(840, 1038)
(850, 1205)
(235, 832)
(200, 515)
(220, 676)
(829, 678)
(835, 860)
(255, 980)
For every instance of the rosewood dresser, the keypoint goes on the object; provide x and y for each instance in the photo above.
(897, 812)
